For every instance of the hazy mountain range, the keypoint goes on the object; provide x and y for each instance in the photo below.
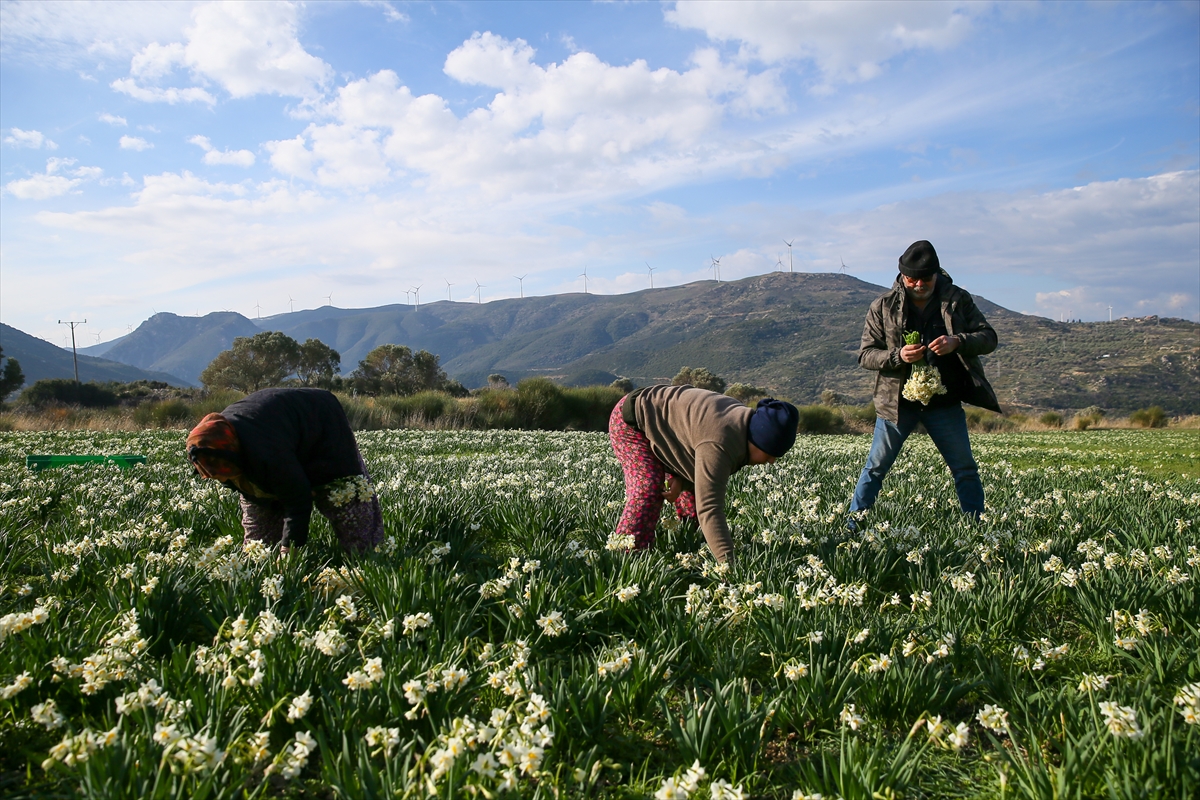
(40, 359)
(794, 334)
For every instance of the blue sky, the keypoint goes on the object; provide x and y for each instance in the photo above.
(257, 157)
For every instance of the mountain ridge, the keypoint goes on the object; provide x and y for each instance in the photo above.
(40, 359)
(794, 334)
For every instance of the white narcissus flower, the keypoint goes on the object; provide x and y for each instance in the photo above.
(416, 622)
(1188, 700)
(19, 684)
(959, 737)
(299, 706)
(628, 593)
(552, 624)
(1121, 720)
(850, 717)
(994, 718)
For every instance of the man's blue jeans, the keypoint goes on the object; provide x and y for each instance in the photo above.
(947, 427)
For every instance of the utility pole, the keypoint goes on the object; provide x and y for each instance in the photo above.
(74, 355)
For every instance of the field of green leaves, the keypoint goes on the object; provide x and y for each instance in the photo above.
(499, 644)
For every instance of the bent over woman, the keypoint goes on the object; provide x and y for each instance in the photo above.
(285, 450)
(694, 440)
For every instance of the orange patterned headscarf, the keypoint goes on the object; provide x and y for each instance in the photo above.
(214, 449)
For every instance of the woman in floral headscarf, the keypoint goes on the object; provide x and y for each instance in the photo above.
(284, 450)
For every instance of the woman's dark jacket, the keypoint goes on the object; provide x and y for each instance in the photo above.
(292, 441)
(883, 336)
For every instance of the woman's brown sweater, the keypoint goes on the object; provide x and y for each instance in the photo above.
(702, 438)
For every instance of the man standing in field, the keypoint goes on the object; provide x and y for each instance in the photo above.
(951, 333)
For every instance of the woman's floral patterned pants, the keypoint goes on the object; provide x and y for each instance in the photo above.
(644, 478)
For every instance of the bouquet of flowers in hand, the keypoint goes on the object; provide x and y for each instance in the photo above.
(925, 382)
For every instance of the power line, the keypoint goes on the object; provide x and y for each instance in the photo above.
(74, 355)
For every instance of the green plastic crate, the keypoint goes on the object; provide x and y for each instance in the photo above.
(122, 460)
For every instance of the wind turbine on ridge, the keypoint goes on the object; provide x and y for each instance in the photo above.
(843, 265)
(789, 247)
(417, 294)
(584, 275)
(448, 285)
(258, 308)
(716, 267)
(650, 269)
(329, 299)
(478, 293)
(291, 304)
(521, 280)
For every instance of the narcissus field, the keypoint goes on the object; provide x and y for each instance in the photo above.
(500, 643)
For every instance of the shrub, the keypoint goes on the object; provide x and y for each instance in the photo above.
(1153, 417)
(700, 377)
(623, 385)
(819, 419)
(165, 414)
(215, 402)
(1051, 419)
(861, 413)
(588, 407)
(540, 404)
(366, 413)
(980, 419)
(1084, 421)
(496, 408)
(831, 398)
(422, 408)
(745, 392)
(63, 391)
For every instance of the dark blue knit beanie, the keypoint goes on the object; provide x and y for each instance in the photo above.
(773, 426)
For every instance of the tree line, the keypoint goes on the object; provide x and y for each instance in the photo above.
(272, 358)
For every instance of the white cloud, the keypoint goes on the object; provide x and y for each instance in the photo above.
(112, 119)
(389, 11)
(1136, 239)
(32, 139)
(212, 156)
(153, 94)
(135, 143)
(846, 42)
(83, 31)
(247, 48)
(1133, 243)
(582, 125)
(51, 183)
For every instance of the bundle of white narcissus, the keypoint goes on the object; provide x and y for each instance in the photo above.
(925, 383)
